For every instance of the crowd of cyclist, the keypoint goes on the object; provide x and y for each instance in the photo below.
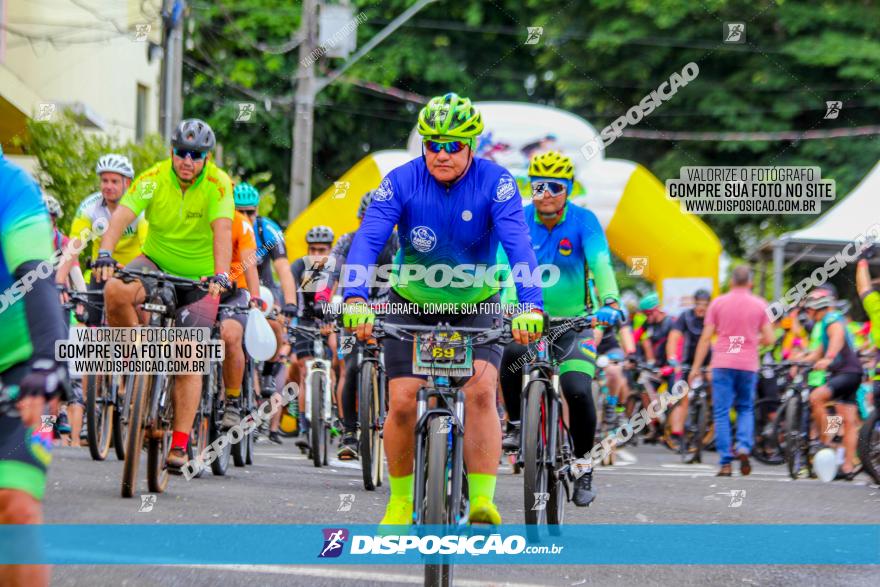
(183, 217)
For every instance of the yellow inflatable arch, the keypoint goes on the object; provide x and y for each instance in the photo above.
(676, 251)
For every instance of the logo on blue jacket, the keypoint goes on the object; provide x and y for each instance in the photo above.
(423, 239)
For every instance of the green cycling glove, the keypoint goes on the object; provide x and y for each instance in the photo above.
(529, 321)
(355, 314)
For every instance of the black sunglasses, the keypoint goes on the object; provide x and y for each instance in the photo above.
(194, 155)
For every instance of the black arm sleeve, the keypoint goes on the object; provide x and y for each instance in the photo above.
(45, 316)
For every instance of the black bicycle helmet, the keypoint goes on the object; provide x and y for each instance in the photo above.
(194, 135)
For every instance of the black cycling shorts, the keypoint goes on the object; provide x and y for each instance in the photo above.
(844, 387)
(195, 308)
(234, 297)
(399, 354)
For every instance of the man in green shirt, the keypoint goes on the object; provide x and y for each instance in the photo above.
(188, 202)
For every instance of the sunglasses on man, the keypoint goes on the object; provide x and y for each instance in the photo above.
(248, 211)
(543, 188)
(448, 146)
(194, 155)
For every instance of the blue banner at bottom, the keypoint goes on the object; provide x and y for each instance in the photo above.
(108, 544)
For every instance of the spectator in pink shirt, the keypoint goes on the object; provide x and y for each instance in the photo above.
(739, 319)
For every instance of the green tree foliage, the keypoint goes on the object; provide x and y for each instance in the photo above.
(596, 58)
(66, 157)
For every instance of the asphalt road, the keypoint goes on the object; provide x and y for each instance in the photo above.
(647, 486)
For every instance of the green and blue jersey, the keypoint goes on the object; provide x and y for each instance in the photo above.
(576, 245)
(25, 235)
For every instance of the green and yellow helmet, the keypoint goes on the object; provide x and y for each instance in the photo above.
(551, 164)
(450, 117)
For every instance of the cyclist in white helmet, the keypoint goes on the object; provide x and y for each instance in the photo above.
(115, 173)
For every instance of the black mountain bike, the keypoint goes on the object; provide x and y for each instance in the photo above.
(371, 408)
(445, 354)
(697, 420)
(545, 446)
(151, 407)
(796, 402)
(208, 424)
(242, 452)
(770, 418)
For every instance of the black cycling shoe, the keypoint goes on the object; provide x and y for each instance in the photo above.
(510, 442)
(348, 448)
(267, 386)
(583, 490)
(275, 437)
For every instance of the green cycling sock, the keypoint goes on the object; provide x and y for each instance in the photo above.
(401, 486)
(481, 484)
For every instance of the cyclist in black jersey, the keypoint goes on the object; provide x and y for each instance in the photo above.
(658, 325)
(316, 276)
(378, 294)
(685, 335)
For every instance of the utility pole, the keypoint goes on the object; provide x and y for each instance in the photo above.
(308, 87)
(171, 96)
(304, 112)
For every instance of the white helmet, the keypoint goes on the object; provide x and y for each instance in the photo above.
(116, 164)
(53, 206)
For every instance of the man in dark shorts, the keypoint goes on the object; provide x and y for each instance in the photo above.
(452, 210)
(189, 237)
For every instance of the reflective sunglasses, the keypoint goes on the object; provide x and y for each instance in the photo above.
(247, 211)
(449, 146)
(194, 155)
(545, 187)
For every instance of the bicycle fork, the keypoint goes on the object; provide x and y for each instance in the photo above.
(453, 430)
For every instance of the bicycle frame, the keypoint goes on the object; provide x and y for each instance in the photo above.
(374, 354)
(439, 387)
(538, 370)
(319, 364)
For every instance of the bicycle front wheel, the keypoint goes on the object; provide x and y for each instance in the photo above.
(135, 435)
(159, 444)
(535, 495)
(767, 447)
(794, 454)
(123, 387)
(316, 426)
(368, 420)
(437, 507)
(99, 412)
(213, 386)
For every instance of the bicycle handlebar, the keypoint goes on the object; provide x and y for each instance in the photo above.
(130, 274)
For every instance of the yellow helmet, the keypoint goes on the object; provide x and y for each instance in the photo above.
(551, 164)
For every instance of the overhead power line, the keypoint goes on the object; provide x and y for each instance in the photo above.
(784, 135)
